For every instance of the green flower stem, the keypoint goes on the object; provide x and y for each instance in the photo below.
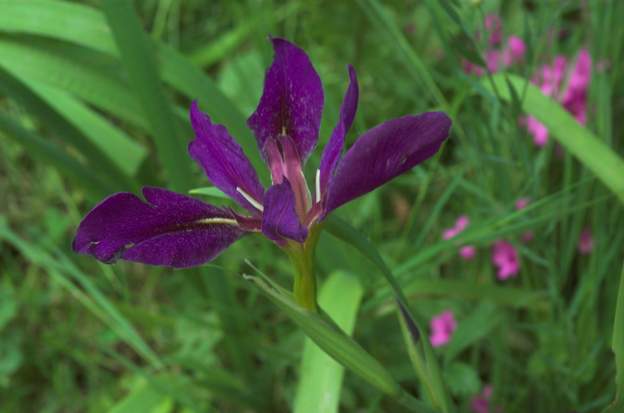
(302, 258)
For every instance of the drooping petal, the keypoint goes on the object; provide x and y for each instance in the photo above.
(169, 229)
(332, 151)
(292, 100)
(223, 160)
(280, 219)
(384, 152)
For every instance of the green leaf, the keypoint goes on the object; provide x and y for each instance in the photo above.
(59, 19)
(114, 177)
(320, 378)
(419, 350)
(578, 140)
(115, 143)
(225, 44)
(143, 398)
(462, 380)
(81, 286)
(324, 332)
(383, 21)
(617, 345)
(46, 151)
(212, 191)
(139, 60)
(57, 65)
(473, 328)
(85, 26)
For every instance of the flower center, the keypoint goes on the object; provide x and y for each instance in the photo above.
(284, 162)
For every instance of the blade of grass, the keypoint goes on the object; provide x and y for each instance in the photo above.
(112, 141)
(140, 62)
(617, 345)
(420, 351)
(226, 43)
(46, 151)
(57, 66)
(111, 316)
(320, 379)
(578, 140)
(62, 20)
(62, 129)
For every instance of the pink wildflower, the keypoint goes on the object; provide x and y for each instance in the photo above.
(494, 27)
(442, 327)
(467, 252)
(522, 203)
(586, 242)
(505, 258)
(498, 55)
(481, 402)
(551, 79)
(514, 53)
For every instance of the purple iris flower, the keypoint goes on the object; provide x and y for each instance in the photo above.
(175, 230)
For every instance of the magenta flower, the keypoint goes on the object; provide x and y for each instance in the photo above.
(586, 242)
(481, 402)
(505, 259)
(467, 252)
(567, 84)
(175, 230)
(442, 327)
(497, 55)
(522, 203)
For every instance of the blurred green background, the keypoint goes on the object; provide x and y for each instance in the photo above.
(93, 100)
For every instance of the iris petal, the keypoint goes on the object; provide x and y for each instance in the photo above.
(292, 100)
(280, 219)
(223, 160)
(332, 151)
(169, 229)
(384, 152)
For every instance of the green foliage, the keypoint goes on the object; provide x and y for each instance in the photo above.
(93, 100)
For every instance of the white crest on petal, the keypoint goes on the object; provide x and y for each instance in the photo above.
(250, 199)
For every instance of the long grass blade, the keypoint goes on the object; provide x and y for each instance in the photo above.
(140, 62)
(320, 380)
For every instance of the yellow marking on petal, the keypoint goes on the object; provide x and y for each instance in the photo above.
(249, 199)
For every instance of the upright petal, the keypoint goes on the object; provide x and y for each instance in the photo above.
(169, 229)
(223, 160)
(280, 219)
(292, 100)
(384, 152)
(332, 151)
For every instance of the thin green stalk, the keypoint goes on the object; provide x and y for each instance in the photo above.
(302, 258)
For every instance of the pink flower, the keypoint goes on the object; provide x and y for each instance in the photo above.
(461, 224)
(514, 53)
(481, 402)
(467, 252)
(494, 27)
(586, 242)
(505, 258)
(442, 327)
(497, 56)
(522, 203)
(572, 95)
(538, 130)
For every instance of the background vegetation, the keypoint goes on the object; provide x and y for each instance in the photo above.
(89, 106)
